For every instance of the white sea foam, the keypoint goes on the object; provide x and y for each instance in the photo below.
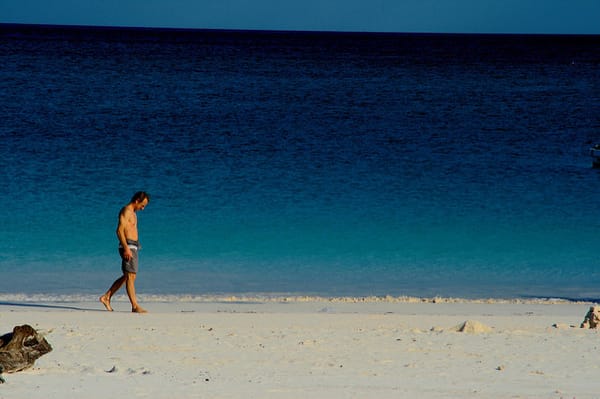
(265, 298)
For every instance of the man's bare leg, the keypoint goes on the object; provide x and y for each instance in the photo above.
(105, 299)
(130, 286)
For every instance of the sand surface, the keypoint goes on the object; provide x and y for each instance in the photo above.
(307, 349)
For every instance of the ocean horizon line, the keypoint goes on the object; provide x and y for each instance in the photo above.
(266, 32)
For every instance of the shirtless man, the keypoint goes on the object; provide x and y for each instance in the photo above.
(127, 233)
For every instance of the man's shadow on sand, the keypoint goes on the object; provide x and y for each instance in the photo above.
(49, 306)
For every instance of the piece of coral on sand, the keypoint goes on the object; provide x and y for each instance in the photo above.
(472, 327)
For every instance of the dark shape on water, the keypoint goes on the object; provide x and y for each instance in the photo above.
(21, 348)
(595, 153)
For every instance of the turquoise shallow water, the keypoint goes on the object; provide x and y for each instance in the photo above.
(326, 164)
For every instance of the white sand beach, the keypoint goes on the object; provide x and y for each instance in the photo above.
(313, 348)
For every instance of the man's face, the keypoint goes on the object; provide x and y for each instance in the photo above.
(139, 206)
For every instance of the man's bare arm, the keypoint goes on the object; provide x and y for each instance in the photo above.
(122, 233)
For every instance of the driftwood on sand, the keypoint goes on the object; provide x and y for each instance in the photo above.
(592, 318)
(21, 348)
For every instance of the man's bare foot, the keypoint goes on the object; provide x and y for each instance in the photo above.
(106, 302)
(139, 309)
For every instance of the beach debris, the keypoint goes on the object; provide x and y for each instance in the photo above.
(21, 348)
(472, 327)
(562, 326)
(592, 318)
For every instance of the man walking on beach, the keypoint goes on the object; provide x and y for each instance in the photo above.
(127, 232)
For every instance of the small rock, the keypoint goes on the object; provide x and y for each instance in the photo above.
(561, 326)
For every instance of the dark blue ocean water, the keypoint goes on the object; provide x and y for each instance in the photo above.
(300, 163)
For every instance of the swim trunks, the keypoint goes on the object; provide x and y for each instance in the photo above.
(131, 265)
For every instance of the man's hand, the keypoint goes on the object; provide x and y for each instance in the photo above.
(127, 255)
